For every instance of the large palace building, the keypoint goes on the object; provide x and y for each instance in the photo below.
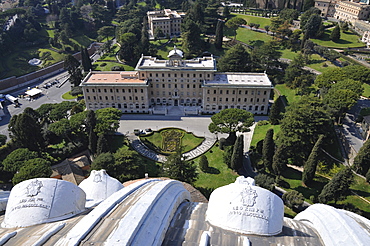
(184, 86)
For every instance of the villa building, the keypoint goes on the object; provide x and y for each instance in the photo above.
(169, 21)
(327, 7)
(351, 11)
(186, 86)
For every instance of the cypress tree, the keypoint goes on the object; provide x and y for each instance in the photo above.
(279, 160)
(335, 34)
(228, 152)
(361, 163)
(311, 163)
(274, 116)
(268, 149)
(219, 34)
(237, 156)
(92, 141)
(203, 163)
(338, 187)
(102, 145)
(88, 60)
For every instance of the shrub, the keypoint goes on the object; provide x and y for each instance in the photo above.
(103, 64)
(265, 181)
(222, 143)
(203, 163)
(293, 198)
(262, 122)
(118, 68)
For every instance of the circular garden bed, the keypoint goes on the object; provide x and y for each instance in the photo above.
(167, 140)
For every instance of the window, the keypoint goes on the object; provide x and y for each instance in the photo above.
(251, 99)
(238, 99)
(129, 90)
(240, 92)
(220, 91)
(214, 91)
(163, 85)
(112, 97)
(227, 91)
(135, 90)
(256, 108)
(258, 99)
(99, 90)
(193, 86)
(265, 92)
(252, 92)
(130, 98)
(94, 97)
(123, 90)
(194, 75)
(220, 99)
(250, 107)
(100, 98)
(258, 92)
(117, 90)
(111, 90)
(263, 100)
(182, 86)
(214, 99)
(262, 108)
(169, 86)
(124, 98)
(232, 99)
(200, 75)
(150, 75)
(226, 99)
(105, 90)
(245, 99)
(246, 92)
(157, 86)
(233, 92)
(162, 74)
(188, 75)
(141, 90)
(187, 86)
(88, 97)
(87, 90)
(93, 90)
(118, 98)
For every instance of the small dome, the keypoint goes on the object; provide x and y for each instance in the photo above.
(245, 208)
(175, 53)
(99, 186)
(42, 200)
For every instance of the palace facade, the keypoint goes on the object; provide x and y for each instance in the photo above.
(188, 86)
(169, 21)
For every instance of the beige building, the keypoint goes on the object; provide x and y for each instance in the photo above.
(184, 86)
(169, 21)
(351, 11)
(327, 7)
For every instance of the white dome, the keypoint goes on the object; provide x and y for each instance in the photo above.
(335, 226)
(245, 208)
(37, 201)
(176, 52)
(98, 186)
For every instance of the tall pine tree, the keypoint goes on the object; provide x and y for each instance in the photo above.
(311, 163)
(237, 156)
(219, 34)
(279, 160)
(268, 150)
(102, 145)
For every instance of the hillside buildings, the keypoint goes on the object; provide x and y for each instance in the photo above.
(169, 21)
(188, 86)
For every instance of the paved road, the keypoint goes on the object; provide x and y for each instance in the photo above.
(51, 95)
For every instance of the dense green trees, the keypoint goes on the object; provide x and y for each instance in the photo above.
(268, 150)
(236, 59)
(311, 163)
(72, 65)
(16, 159)
(230, 121)
(361, 163)
(293, 198)
(33, 168)
(275, 114)
(301, 126)
(338, 187)
(25, 131)
(177, 167)
(265, 181)
(191, 33)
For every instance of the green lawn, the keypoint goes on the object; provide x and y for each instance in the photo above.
(67, 96)
(366, 90)
(109, 65)
(251, 37)
(347, 40)
(288, 93)
(361, 187)
(260, 132)
(218, 174)
(255, 19)
(318, 63)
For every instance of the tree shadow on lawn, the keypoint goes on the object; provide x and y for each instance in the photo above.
(212, 170)
(361, 193)
(206, 191)
(316, 61)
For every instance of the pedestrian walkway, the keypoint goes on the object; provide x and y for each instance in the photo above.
(151, 154)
